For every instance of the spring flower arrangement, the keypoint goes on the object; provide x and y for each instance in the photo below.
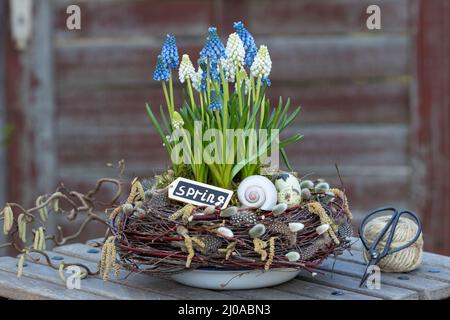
(224, 136)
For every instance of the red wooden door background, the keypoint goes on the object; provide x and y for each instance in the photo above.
(375, 102)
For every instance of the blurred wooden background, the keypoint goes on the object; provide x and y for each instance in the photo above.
(376, 102)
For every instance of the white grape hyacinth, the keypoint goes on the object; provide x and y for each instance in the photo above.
(197, 79)
(262, 64)
(186, 70)
(235, 51)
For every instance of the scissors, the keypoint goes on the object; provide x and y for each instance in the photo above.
(376, 255)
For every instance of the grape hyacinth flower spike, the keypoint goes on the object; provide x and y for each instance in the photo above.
(161, 72)
(262, 65)
(247, 40)
(169, 52)
(186, 70)
(235, 53)
(213, 51)
(216, 101)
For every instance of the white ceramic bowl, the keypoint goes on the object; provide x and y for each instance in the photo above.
(234, 279)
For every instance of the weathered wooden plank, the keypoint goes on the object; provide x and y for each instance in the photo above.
(3, 162)
(141, 18)
(351, 283)
(425, 270)
(431, 132)
(136, 18)
(313, 17)
(135, 280)
(426, 288)
(41, 108)
(273, 293)
(90, 285)
(322, 292)
(428, 258)
(30, 289)
(346, 57)
(380, 102)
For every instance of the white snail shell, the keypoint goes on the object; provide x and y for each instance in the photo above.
(257, 192)
(287, 180)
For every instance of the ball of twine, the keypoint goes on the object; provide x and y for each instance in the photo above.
(404, 260)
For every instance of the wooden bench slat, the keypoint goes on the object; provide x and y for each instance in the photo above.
(89, 285)
(26, 288)
(427, 288)
(350, 283)
(267, 294)
(143, 281)
(321, 291)
(425, 270)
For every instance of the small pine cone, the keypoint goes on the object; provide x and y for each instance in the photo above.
(345, 230)
(160, 198)
(212, 245)
(283, 229)
(243, 218)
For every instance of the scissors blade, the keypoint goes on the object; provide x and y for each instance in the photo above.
(366, 272)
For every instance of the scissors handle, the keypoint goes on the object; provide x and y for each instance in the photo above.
(367, 218)
(418, 233)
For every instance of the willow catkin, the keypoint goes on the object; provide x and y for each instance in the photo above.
(8, 219)
(22, 225)
(20, 265)
(405, 260)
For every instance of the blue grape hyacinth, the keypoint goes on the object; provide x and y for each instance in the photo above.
(169, 52)
(213, 51)
(266, 81)
(249, 42)
(161, 72)
(216, 101)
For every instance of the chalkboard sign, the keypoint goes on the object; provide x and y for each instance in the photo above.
(199, 194)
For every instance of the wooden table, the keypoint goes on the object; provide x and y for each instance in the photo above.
(430, 281)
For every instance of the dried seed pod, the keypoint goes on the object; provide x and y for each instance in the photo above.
(257, 230)
(8, 219)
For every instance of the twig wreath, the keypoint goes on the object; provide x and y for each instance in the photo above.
(275, 219)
